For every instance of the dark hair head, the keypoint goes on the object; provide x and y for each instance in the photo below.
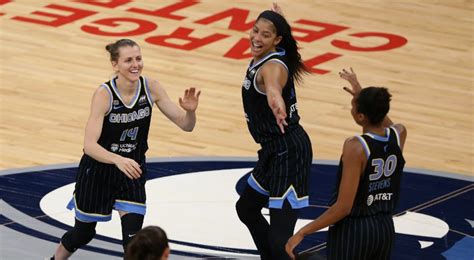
(296, 66)
(148, 244)
(373, 102)
(113, 48)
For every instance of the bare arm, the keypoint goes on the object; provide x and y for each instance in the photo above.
(274, 77)
(401, 129)
(351, 77)
(353, 158)
(99, 107)
(184, 117)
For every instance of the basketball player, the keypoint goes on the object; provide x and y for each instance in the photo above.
(112, 171)
(150, 243)
(279, 180)
(371, 166)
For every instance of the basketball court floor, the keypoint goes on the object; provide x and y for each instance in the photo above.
(53, 58)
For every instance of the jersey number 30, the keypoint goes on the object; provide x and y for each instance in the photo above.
(382, 167)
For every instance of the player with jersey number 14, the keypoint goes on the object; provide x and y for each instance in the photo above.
(112, 172)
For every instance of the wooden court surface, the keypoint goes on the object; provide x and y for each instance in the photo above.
(48, 74)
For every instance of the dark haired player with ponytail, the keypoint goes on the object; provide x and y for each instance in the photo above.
(112, 171)
(279, 180)
(370, 171)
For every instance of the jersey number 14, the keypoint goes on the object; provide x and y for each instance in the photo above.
(131, 132)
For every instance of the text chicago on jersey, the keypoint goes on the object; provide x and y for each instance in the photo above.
(129, 117)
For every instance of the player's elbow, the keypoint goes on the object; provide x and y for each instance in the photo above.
(344, 209)
(188, 128)
(88, 147)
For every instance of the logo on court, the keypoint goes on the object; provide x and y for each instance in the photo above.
(198, 217)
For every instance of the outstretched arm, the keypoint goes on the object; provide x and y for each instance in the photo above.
(184, 117)
(274, 79)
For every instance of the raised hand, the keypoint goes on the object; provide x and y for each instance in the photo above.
(277, 9)
(351, 77)
(190, 100)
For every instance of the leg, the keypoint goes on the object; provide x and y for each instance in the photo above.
(79, 236)
(249, 209)
(282, 225)
(131, 224)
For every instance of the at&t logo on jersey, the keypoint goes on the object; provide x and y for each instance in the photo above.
(379, 196)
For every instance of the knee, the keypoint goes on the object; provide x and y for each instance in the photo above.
(79, 236)
(249, 206)
(243, 211)
(277, 238)
(131, 224)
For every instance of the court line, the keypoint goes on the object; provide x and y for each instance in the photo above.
(247, 159)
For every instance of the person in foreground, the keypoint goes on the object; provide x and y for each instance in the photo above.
(279, 180)
(112, 171)
(150, 243)
(370, 170)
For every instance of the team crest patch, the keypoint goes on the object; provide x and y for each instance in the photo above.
(142, 100)
(246, 84)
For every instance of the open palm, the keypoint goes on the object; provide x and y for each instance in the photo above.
(190, 100)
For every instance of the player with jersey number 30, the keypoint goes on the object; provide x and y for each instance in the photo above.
(370, 170)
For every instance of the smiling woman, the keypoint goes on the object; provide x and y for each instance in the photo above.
(112, 172)
(284, 160)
